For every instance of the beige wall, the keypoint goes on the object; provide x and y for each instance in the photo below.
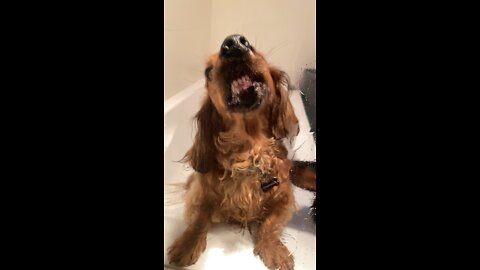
(186, 40)
(284, 30)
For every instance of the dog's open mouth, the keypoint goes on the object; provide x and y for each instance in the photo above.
(247, 93)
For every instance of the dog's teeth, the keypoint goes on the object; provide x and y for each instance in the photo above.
(234, 87)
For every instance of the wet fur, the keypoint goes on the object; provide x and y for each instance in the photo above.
(232, 154)
(304, 175)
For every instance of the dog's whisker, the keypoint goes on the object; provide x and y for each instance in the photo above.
(276, 48)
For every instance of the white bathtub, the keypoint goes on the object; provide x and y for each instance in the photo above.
(228, 247)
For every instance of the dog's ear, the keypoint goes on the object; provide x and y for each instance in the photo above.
(202, 154)
(283, 121)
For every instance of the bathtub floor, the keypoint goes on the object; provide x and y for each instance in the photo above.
(232, 248)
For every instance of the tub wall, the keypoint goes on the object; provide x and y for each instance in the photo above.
(282, 29)
(186, 40)
(179, 130)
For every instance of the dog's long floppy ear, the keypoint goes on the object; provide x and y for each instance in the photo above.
(202, 154)
(283, 121)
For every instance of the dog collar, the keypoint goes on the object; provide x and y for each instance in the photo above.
(268, 185)
(267, 181)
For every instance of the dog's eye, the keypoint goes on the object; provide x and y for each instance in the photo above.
(208, 73)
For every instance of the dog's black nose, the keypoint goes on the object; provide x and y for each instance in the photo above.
(234, 46)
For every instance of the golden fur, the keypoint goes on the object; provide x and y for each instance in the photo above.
(233, 154)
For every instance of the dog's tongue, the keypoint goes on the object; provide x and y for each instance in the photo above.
(240, 85)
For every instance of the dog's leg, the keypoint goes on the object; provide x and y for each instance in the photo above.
(268, 245)
(189, 246)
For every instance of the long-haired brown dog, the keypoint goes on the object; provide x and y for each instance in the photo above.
(242, 171)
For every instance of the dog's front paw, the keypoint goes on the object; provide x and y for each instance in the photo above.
(274, 255)
(186, 250)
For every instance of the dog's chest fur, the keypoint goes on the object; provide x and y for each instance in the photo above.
(247, 165)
